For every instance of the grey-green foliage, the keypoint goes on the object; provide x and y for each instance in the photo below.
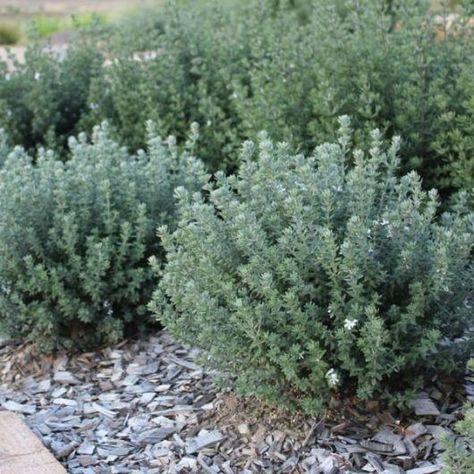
(305, 274)
(385, 67)
(287, 66)
(293, 67)
(43, 98)
(75, 236)
(459, 454)
(180, 72)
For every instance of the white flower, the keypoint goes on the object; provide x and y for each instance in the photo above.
(37, 76)
(332, 377)
(350, 324)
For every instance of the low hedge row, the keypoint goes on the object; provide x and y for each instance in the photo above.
(290, 68)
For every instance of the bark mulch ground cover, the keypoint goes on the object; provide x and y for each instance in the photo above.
(145, 406)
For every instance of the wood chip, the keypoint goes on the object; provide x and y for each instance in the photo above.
(424, 407)
(204, 440)
(10, 405)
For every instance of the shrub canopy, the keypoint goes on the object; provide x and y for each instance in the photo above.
(75, 237)
(288, 67)
(308, 274)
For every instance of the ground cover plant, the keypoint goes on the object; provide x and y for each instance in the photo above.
(75, 236)
(306, 275)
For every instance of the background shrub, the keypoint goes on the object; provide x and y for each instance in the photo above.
(43, 99)
(386, 68)
(289, 67)
(302, 275)
(9, 34)
(75, 237)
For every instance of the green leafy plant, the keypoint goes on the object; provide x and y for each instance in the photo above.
(9, 34)
(75, 237)
(304, 275)
(459, 454)
(290, 67)
(47, 25)
(43, 98)
(386, 68)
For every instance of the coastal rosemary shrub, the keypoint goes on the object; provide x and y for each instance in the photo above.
(241, 67)
(305, 275)
(290, 67)
(75, 237)
(181, 72)
(43, 98)
(386, 67)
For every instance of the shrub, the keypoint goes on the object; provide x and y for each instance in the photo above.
(458, 456)
(9, 34)
(179, 70)
(75, 237)
(302, 275)
(386, 68)
(43, 99)
(240, 69)
(287, 66)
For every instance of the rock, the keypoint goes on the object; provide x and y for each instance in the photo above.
(65, 401)
(86, 448)
(416, 430)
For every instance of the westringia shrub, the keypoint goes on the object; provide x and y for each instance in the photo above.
(305, 275)
(43, 98)
(75, 237)
(459, 454)
(290, 67)
(180, 72)
(382, 63)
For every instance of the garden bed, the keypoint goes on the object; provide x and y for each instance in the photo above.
(146, 406)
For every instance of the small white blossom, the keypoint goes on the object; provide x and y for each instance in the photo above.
(350, 324)
(37, 76)
(332, 377)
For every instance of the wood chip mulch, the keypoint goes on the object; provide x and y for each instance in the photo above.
(146, 407)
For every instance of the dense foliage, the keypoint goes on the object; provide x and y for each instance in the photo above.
(75, 237)
(43, 99)
(290, 67)
(303, 274)
(459, 454)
